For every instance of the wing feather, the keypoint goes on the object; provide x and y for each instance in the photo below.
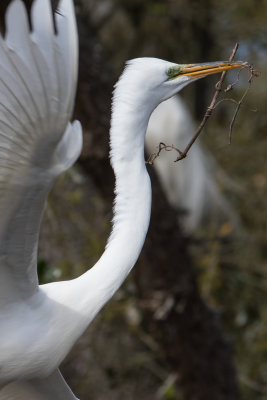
(38, 74)
(67, 44)
(52, 388)
(19, 56)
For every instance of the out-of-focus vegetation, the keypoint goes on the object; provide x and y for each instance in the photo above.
(232, 271)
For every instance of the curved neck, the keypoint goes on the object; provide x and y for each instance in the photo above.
(131, 208)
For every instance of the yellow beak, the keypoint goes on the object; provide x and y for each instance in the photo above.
(201, 70)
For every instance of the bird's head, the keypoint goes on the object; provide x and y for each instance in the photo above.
(154, 80)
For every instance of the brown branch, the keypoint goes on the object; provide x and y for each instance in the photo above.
(161, 146)
(230, 87)
(253, 73)
(235, 115)
(218, 88)
(208, 113)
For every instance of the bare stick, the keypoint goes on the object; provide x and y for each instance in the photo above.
(161, 146)
(218, 88)
(235, 115)
(253, 73)
(208, 113)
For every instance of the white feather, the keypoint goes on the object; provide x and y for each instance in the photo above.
(37, 142)
(51, 388)
(191, 184)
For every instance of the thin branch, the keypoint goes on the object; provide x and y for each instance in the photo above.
(253, 73)
(209, 111)
(161, 146)
(218, 88)
(235, 115)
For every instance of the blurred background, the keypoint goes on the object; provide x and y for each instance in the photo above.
(190, 322)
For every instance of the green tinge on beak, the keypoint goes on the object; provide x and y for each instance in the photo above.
(201, 70)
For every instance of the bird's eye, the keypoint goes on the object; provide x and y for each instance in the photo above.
(174, 71)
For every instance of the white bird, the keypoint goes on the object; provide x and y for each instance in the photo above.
(40, 324)
(191, 187)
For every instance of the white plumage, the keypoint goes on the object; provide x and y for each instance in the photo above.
(38, 72)
(191, 184)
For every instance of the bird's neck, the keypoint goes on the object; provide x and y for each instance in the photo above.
(131, 212)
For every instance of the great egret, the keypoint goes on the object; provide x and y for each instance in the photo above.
(192, 186)
(40, 324)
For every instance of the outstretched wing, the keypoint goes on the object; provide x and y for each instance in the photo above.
(52, 388)
(38, 74)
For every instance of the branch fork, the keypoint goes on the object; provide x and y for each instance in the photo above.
(209, 111)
